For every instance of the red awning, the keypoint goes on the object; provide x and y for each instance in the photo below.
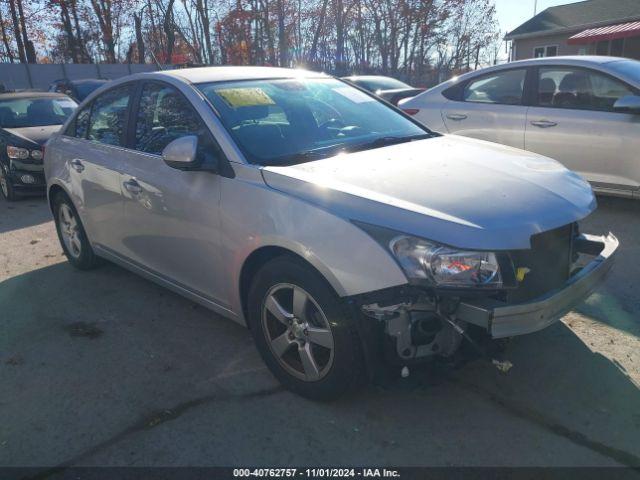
(610, 32)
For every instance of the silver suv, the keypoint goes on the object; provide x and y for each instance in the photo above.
(343, 233)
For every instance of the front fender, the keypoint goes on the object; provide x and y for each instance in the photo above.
(256, 216)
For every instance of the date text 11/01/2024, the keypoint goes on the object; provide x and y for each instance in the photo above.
(316, 472)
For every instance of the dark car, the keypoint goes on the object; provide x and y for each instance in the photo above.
(387, 88)
(27, 120)
(77, 89)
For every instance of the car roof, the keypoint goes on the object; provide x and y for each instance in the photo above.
(368, 77)
(31, 94)
(230, 73)
(572, 60)
(578, 60)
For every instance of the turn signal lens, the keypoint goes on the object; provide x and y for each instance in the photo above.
(410, 111)
(36, 154)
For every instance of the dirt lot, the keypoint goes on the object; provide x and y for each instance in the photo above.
(105, 368)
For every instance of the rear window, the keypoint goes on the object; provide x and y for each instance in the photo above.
(373, 84)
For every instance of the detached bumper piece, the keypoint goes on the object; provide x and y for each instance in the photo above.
(508, 320)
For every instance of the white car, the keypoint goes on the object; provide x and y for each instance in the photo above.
(582, 111)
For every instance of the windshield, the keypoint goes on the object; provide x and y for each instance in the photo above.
(380, 83)
(277, 122)
(630, 68)
(35, 112)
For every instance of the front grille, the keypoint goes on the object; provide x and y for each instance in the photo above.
(548, 261)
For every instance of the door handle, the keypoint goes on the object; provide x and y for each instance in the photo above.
(543, 124)
(133, 186)
(77, 165)
(456, 117)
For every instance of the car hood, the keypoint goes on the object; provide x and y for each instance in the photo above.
(457, 191)
(37, 135)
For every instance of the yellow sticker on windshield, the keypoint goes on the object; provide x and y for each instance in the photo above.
(245, 97)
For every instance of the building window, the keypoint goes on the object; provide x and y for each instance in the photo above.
(602, 48)
(617, 47)
(545, 51)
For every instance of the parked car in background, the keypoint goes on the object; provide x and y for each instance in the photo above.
(582, 111)
(77, 89)
(27, 120)
(341, 231)
(388, 88)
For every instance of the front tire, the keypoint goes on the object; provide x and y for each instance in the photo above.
(71, 234)
(6, 188)
(302, 332)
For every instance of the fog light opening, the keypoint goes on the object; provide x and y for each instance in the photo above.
(28, 179)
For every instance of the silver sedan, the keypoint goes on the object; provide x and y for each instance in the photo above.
(343, 233)
(582, 111)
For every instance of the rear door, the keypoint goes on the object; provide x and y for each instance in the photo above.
(94, 151)
(172, 217)
(573, 121)
(490, 107)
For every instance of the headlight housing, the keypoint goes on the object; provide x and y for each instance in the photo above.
(17, 153)
(430, 263)
(446, 267)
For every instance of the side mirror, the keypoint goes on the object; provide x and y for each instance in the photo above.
(628, 103)
(181, 153)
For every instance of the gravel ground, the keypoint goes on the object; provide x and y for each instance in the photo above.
(105, 368)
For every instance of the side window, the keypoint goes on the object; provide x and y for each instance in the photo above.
(580, 89)
(501, 88)
(108, 116)
(78, 128)
(165, 115)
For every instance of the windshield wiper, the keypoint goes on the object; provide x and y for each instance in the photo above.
(319, 153)
(386, 141)
(301, 157)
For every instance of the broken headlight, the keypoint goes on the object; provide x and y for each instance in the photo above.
(444, 266)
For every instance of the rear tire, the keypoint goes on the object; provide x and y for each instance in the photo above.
(310, 345)
(72, 235)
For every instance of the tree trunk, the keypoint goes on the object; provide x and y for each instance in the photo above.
(283, 46)
(5, 39)
(169, 32)
(203, 12)
(29, 49)
(316, 35)
(137, 19)
(16, 31)
(84, 56)
(102, 9)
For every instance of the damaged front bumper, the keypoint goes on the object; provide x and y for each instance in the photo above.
(508, 320)
(415, 323)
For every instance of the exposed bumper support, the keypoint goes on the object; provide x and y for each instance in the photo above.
(504, 320)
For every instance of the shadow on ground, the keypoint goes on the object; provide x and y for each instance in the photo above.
(12, 215)
(105, 368)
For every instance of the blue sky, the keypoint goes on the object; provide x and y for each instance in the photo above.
(512, 13)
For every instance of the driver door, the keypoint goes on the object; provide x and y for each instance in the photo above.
(172, 216)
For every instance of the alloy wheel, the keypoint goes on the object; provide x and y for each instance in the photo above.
(297, 332)
(70, 230)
